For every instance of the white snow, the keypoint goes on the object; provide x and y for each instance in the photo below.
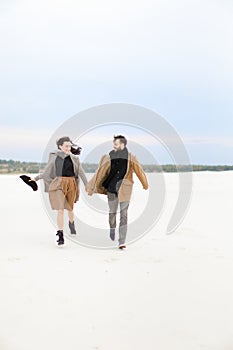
(165, 292)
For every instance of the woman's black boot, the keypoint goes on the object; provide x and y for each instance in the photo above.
(60, 237)
(72, 228)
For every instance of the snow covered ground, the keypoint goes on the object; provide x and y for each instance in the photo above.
(165, 292)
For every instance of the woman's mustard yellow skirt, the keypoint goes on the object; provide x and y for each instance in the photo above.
(63, 193)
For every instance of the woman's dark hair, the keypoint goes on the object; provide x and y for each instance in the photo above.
(74, 148)
(76, 151)
(121, 138)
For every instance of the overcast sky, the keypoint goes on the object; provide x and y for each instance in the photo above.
(172, 56)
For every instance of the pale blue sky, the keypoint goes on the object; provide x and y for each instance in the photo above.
(173, 56)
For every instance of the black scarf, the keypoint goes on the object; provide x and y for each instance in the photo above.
(119, 163)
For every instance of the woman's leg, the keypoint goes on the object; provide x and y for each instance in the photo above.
(69, 204)
(71, 222)
(60, 219)
(71, 215)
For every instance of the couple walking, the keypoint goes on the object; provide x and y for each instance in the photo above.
(113, 177)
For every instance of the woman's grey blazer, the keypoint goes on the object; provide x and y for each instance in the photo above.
(49, 172)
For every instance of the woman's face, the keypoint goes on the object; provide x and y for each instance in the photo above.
(66, 147)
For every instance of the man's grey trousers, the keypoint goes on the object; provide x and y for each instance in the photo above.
(113, 205)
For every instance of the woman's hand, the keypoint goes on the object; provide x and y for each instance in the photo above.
(32, 179)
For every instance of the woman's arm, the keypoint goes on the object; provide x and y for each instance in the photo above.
(46, 174)
(82, 175)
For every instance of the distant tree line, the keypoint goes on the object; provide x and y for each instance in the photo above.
(12, 166)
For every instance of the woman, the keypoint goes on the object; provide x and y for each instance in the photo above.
(61, 179)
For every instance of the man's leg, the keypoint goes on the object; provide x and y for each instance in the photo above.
(113, 204)
(123, 221)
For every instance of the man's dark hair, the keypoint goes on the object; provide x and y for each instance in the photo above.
(74, 150)
(121, 138)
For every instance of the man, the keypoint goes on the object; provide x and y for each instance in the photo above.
(114, 178)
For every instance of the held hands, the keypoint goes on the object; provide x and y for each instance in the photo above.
(88, 190)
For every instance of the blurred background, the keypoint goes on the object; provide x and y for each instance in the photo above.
(59, 57)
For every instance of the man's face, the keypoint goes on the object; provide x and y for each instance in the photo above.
(66, 147)
(117, 145)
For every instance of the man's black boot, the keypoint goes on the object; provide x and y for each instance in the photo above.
(112, 234)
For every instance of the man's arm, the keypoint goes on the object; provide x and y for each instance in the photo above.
(98, 177)
(140, 173)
